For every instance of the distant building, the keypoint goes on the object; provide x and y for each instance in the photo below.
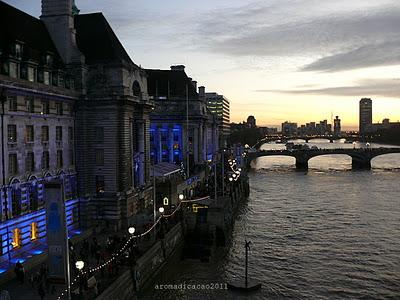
(365, 115)
(181, 125)
(289, 128)
(268, 130)
(376, 127)
(251, 122)
(336, 126)
(219, 106)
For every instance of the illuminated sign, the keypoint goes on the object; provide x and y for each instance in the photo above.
(165, 201)
(195, 207)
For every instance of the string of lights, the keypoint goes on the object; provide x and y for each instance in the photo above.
(122, 250)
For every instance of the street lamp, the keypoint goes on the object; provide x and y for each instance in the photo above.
(354, 145)
(161, 210)
(230, 179)
(181, 197)
(131, 230)
(79, 265)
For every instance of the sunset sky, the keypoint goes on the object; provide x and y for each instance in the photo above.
(297, 60)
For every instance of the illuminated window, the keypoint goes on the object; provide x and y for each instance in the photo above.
(34, 231)
(12, 133)
(16, 238)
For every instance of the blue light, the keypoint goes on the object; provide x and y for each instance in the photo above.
(15, 260)
(37, 252)
(2, 271)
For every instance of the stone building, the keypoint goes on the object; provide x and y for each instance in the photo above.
(73, 107)
(38, 96)
(182, 128)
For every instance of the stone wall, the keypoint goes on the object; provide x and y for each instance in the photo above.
(148, 266)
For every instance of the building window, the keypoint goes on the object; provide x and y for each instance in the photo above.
(18, 50)
(70, 134)
(29, 134)
(16, 238)
(33, 197)
(30, 162)
(45, 107)
(30, 104)
(45, 133)
(34, 231)
(45, 160)
(12, 164)
(99, 132)
(59, 159)
(99, 157)
(31, 74)
(100, 186)
(13, 71)
(58, 133)
(71, 157)
(59, 108)
(49, 59)
(46, 77)
(12, 133)
(12, 100)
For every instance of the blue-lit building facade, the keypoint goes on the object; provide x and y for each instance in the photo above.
(37, 129)
(75, 109)
(181, 124)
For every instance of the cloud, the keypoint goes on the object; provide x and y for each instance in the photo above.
(371, 55)
(364, 88)
(337, 40)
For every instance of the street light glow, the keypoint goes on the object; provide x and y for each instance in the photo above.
(161, 210)
(79, 265)
(131, 230)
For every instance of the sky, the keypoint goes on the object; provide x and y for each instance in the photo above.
(295, 60)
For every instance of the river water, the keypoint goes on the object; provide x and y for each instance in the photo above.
(329, 233)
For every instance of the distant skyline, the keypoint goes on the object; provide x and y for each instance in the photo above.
(295, 60)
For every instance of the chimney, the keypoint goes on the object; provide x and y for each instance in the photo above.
(202, 92)
(194, 82)
(178, 68)
(59, 21)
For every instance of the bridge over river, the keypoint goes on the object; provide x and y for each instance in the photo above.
(361, 158)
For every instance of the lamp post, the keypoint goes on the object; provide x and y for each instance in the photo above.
(131, 230)
(79, 265)
(181, 197)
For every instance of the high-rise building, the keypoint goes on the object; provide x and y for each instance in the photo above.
(336, 126)
(219, 106)
(365, 115)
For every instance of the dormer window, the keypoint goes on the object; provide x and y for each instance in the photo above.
(49, 59)
(18, 50)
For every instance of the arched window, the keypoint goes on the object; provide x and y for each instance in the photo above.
(136, 89)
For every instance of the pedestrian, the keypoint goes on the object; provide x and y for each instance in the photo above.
(41, 291)
(19, 272)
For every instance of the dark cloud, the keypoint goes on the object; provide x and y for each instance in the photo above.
(382, 54)
(342, 41)
(364, 88)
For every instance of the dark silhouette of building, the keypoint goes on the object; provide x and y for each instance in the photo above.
(365, 115)
(337, 126)
(251, 122)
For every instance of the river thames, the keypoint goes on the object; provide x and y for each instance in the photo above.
(329, 233)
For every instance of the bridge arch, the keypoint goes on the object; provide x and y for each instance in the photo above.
(386, 161)
(330, 161)
(271, 162)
